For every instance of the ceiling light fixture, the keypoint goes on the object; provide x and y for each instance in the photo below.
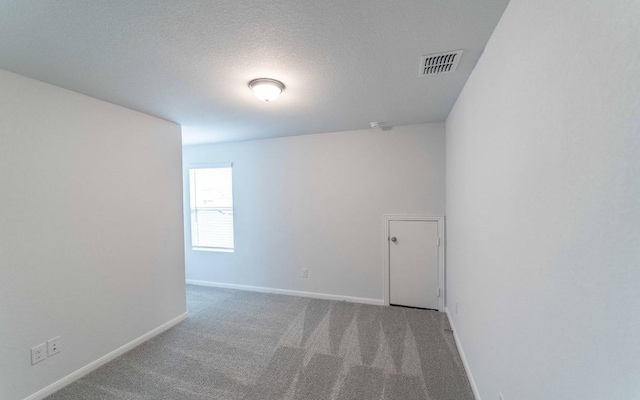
(266, 89)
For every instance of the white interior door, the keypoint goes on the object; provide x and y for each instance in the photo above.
(413, 263)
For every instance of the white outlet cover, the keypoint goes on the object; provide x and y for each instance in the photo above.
(53, 346)
(38, 353)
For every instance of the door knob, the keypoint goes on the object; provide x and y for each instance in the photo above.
(394, 239)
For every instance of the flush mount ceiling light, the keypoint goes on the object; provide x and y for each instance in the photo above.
(266, 89)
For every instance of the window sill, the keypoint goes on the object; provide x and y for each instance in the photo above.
(212, 249)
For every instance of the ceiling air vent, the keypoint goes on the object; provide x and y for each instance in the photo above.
(440, 63)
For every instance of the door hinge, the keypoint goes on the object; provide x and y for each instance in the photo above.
(439, 292)
(438, 242)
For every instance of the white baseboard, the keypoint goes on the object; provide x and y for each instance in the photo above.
(314, 295)
(54, 387)
(472, 382)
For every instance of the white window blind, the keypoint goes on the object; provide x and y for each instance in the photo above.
(211, 201)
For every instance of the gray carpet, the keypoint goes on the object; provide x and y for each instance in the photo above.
(256, 346)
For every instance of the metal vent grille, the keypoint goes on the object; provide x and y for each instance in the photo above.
(441, 63)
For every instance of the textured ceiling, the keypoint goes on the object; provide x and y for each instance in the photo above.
(345, 63)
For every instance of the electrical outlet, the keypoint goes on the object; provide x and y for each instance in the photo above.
(305, 272)
(38, 353)
(53, 346)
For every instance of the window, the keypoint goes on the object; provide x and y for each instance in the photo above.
(211, 201)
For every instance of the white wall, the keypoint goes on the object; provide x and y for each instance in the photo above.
(91, 244)
(543, 204)
(317, 202)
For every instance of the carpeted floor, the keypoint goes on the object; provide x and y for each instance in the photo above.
(256, 346)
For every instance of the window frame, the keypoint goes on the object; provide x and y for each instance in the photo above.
(188, 209)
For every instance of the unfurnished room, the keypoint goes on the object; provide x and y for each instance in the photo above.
(334, 200)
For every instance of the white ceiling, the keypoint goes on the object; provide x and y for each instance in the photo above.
(344, 63)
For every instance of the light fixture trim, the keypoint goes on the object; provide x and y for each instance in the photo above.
(266, 89)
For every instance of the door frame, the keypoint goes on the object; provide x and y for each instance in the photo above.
(439, 219)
